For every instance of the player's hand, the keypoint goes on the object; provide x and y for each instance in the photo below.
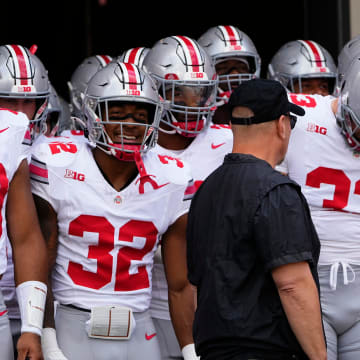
(50, 346)
(29, 347)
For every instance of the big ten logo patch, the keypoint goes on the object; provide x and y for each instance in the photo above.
(71, 174)
(316, 129)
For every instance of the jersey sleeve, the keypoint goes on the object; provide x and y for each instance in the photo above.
(283, 229)
(39, 176)
(47, 156)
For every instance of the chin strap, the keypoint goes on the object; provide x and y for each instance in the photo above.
(144, 176)
(223, 97)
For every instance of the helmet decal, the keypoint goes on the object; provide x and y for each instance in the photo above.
(317, 57)
(21, 62)
(231, 36)
(103, 59)
(191, 52)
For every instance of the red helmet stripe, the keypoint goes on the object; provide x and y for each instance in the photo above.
(192, 51)
(232, 36)
(132, 55)
(316, 53)
(103, 59)
(132, 73)
(22, 64)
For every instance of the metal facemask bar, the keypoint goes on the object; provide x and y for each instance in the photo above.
(185, 119)
(98, 134)
(350, 124)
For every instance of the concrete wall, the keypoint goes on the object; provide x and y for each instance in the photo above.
(354, 17)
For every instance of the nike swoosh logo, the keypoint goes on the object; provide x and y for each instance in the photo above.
(162, 185)
(213, 146)
(3, 130)
(149, 337)
(3, 312)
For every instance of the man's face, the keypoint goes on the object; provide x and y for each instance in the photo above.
(128, 123)
(26, 106)
(188, 96)
(231, 67)
(313, 86)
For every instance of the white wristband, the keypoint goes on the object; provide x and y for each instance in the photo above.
(31, 297)
(188, 352)
(50, 346)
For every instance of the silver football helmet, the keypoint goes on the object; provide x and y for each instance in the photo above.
(300, 59)
(58, 116)
(347, 54)
(80, 78)
(224, 43)
(23, 75)
(348, 112)
(133, 56)
(121, 83)
(53, 114)
(186, 77)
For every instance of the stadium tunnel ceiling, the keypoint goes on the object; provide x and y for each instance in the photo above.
(68, 31)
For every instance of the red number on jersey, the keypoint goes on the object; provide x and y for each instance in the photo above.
(101, 253)
(140, 280)
(77, 132)
(4, 187)
(324, 175)
(165, 160)
(303, 100)
(57, 147)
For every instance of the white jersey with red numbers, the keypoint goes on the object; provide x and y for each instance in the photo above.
(204, 155)
(13, 127)
(328, 171)
(107, 239)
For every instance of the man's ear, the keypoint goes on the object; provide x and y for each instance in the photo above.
(281, 127)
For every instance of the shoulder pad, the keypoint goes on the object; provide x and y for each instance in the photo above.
(13, 118)
(56, 151)
(221, 131)
(173, 169)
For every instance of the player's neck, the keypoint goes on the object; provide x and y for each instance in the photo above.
(173, 141)
(117, 173)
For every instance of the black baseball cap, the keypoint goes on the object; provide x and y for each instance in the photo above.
(266, 98)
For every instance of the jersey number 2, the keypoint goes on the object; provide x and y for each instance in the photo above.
(124, 281)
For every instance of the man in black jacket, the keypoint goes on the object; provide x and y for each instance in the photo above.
(252, 246)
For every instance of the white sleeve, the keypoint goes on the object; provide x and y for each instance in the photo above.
(40, 184)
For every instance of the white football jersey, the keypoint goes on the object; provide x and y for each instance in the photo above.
(205, 154)
(7, 283)
(76, 135)
(107, 239)
(13, 127)
(328, 171)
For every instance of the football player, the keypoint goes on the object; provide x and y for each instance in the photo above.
(236, 60)
(24, 87)
(20, 225)
(304, 66)
(345, 57)
(103, 207)
(323, 157)
(187, 80)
